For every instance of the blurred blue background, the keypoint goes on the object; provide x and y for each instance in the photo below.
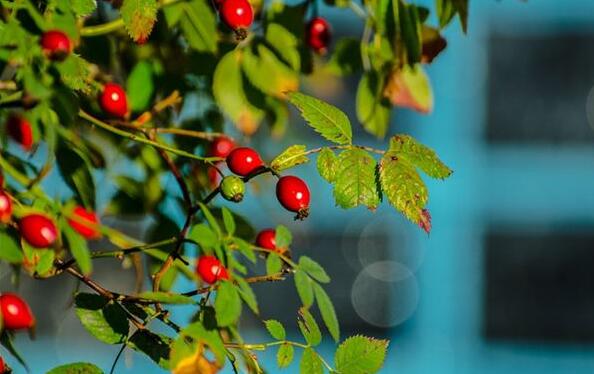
(504, 283)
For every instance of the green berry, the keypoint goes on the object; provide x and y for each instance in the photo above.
(232, 188)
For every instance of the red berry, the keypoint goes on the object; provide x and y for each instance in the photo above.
(55, 44)
(243, 161)
(5, 207)
(79, 222)
(15, 312)
(237, 14)
(38, 230)
(210, 269)
(318, 34)
(293, 194)
(113, 100)
(221, 147)
(2, 366)
(266, 239)
(19, 129)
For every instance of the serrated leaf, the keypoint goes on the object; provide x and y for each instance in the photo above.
(283, 237)
(140, 86)
(76, 368)
(373, 110)
(107, 321)
(309, 328)
(284, 356)
(410, 30)
(78, 247)
(75, 168)
(212, 221)
(227, 304)
(359, 354)
(155, 346)
(198, 23)
(304, 286)
(247, 294)
(190, 342)
(326, 164)
(245, 248)
(327, 311)
(204, 236)
(83, 7)
(315, 270)
(10, 250)
(327, 120)
(267, 73)
(310, 363)
(166, 297)
(419, 155)
(355, 182)
(74, 72)
(290, 157)
(285, 44)
(228, 221)
(409, 87)
(403, 186)
(276, 329)
(274, 264)
(139, 17)
(346, 57)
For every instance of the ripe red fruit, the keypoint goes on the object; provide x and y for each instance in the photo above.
(318, 34)
(5, 207)
(80, 223)
(266, 239)
(2, 366)
(113, 100)
(19, 129)
(15, 312)
(237, 14)
(221, 147)
(38, 230)
(55, 44)
(210, 269)
(243, 161)
(293, 194)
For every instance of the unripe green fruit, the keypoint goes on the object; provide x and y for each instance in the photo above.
(232, 188)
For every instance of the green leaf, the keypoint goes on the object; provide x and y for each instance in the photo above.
(229, 92)
(204, 236)
(355, 182)
(326, 164)
(229, 221)
(309, 327)
(373, 110)
(310, 363)
(304, 286)
(274, 264)
(359, 354)
(78, 247)
(403, 186)
(44, 259)
(290, 157)
(227, 304)
(198, 23)
(75, 168)
(447, 9)
(284, 356)
(139, 17)
(166, 297)
(346, 58)
(327, 120)
(140, 86)
(411, 31)
(267, 73)
(83, 7)
(285, 44)
(282, 237)
(190, 339)
(212, 221)
(155, 346)
(107, 321)
(327, 311)
(247, 294)
(76, 368)
(245, 248)
(314, 269)
(409, 87)
(276, 329)
(74, 72)
(6, 342)
(10, 250)
(421, 156)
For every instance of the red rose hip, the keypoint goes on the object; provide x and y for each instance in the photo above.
(16, 313)
(5, 207)
(318, 34)
(293, 194)
(38, 230)
(238, 15)
(113, 100)
(210, 269)
(266, 239)
(20, 130)
(83, 221)
(243, 161)
(55, 44)
(221, 147)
